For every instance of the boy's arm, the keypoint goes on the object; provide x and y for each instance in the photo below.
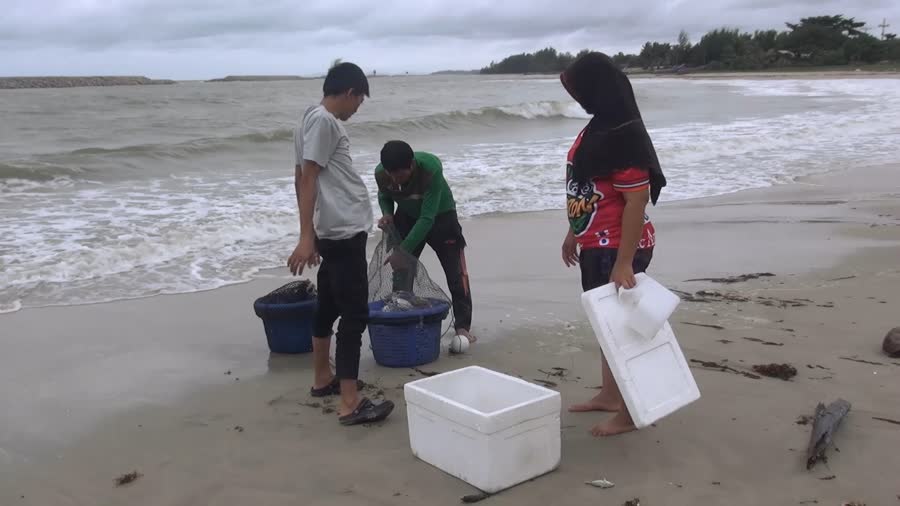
(305, 179)
(386, 203)
(319, 141)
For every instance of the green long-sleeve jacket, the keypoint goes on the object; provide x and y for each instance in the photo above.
(423, 197)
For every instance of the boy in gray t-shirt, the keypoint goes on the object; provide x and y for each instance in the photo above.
(335, 219)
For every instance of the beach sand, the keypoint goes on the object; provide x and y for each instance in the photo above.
(182, 388)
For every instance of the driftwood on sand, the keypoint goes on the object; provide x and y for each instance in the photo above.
(825, 422)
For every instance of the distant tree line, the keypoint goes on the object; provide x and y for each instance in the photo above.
(814, 41)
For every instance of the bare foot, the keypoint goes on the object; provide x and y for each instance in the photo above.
(601, 402)
(469, 336)
(619, 424)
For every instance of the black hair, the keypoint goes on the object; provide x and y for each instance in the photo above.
(396, 155)
(344, 77)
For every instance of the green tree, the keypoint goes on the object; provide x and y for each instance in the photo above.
(822, 40)
(864, 48)
(682, 50)
(846, 26)
(766, 40)
(544, 61)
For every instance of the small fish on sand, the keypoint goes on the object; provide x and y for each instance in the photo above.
(603, 483)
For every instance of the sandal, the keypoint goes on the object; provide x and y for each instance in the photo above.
(367, 412)
(333, 388)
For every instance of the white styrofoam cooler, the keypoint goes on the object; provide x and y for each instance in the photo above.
(488, 429)
(653, 375)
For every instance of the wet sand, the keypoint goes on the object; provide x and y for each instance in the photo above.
(182, 388)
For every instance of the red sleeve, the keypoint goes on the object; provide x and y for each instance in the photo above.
(631, 180)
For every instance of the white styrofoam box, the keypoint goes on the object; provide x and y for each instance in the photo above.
(649, 305)
(653, 375)
(488, 429)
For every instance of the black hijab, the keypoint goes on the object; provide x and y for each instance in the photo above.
(615, 139)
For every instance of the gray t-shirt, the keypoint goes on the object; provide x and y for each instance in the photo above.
(343, 209)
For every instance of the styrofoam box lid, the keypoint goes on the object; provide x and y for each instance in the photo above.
(653, 375)
(482, 399)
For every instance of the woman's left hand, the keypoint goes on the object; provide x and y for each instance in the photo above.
(623, 275)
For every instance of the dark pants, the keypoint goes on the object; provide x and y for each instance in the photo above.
(343, 292)
(447, 241)
(597, 265)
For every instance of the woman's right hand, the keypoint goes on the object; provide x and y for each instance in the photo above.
(570, 249)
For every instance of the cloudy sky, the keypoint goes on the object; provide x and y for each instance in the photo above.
(197, 39)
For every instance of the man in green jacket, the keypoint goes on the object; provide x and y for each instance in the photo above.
(425, 214)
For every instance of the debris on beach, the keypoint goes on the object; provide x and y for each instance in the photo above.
(867, 362)
(634, 502)
(713, 366)
(828, 478)
(717, 327)
(559, 372)
(804, 420)
(238, 428)
(781, 371)
(427, 374)
(127, 478)
(710, 296)
(548, 384)
(825, 422)
(888, 420)
(713, 296)
(601, 483)
(763, 342)
(891, 345)
(735, 279)
(783, 303)
(854, 503)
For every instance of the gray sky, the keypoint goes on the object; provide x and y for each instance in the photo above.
(195, 39)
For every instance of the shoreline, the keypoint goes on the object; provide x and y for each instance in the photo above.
(267, 272)
(91, 392)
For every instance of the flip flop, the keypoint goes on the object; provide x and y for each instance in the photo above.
(367, 412)
(333, 388)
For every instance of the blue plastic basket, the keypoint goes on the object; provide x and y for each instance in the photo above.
(289, 327)
(406, 338)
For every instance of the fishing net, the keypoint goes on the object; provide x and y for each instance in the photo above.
(399, 280)
(293, 292)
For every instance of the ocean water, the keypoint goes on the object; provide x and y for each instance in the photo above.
(111, 193)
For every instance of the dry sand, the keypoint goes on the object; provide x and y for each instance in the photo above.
(182, 388)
